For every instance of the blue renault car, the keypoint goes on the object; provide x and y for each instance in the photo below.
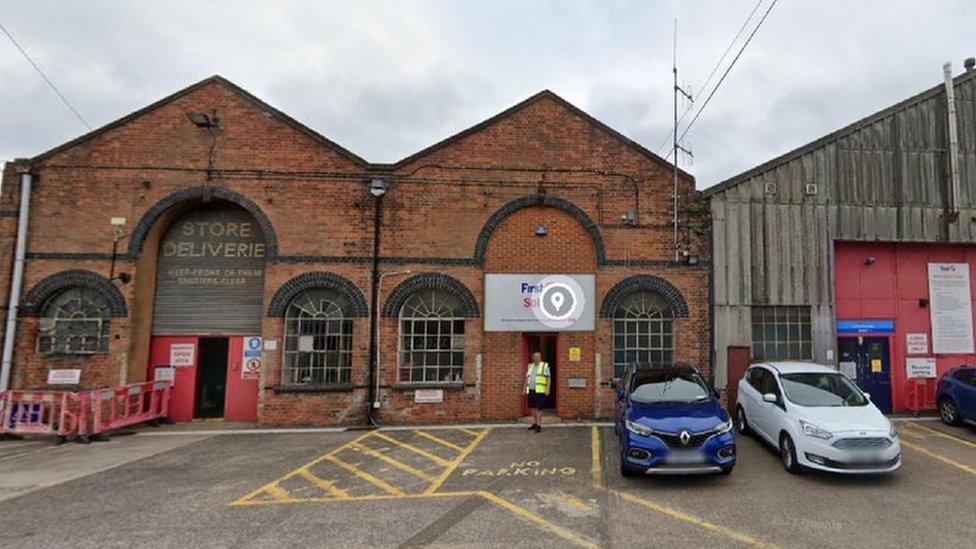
(670, 422)
(956, 396)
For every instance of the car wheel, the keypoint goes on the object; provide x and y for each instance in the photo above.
(948, 412)
(787, 454)
(625, 471)
(741, 424)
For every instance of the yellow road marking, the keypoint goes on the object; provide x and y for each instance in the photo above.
(323, 484)
(524, 513)
(457, 461)
(912, 434)
(469, 431)
(440, 441)
(435, 458)
(572, 501)
(595, 451)
(272, 487)
(944, 434)
(665, 510)
(387, 459)
(940, 457)
(379, 483)
(277, 493)
(373, 497)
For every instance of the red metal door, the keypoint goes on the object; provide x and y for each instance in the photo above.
(241, 401)
(738, 359)
(163, 352)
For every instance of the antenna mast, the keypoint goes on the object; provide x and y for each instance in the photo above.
(675, 147)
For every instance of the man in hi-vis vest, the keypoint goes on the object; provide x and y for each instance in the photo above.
(537, 388)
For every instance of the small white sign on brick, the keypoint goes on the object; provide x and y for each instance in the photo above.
(64, 377)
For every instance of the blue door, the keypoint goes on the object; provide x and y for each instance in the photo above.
(873, 366)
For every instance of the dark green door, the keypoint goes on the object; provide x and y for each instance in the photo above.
(212, 377)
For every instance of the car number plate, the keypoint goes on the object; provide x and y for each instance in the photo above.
(684, 457)
(865, 457)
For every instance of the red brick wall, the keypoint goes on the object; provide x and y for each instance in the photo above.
(316, 199)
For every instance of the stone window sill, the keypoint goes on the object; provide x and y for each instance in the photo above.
(320, 388)
(449, 385)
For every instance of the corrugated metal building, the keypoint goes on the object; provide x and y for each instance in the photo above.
(832, 231)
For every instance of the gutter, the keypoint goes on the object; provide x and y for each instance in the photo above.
(16, 282)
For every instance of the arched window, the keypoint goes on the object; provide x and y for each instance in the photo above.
(643, 331)
(318, 338)
(431, 338)
(74, 322)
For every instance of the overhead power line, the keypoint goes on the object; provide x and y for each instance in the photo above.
(729, 68)
(711, 74)
(44, 76)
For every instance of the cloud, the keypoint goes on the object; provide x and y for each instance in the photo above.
(388, 78)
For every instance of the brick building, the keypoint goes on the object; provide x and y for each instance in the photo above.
(211, 238)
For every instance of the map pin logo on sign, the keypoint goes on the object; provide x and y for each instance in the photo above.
(560, 302)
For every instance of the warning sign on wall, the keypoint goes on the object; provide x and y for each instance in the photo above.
(251, 359)
(182, 355)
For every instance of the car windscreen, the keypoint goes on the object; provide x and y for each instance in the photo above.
(822, 389)
(669, 386)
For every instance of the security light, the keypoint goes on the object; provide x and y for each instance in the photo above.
(540, 230)
(377, 187)
(201, 120)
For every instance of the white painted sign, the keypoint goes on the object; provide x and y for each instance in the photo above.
(251, 358)
(428, 396)
(165, 374)
(270, 344)
(182, 355)
(951, 308)
(920, 367)
(539, 303)
(64, 377)
(917, 344)
(849, 369)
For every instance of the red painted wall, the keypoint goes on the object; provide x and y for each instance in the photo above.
(891, 288)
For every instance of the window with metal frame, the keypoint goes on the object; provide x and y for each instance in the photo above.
(76, 321)
(318, 339)
(643, 331)
(781, 333)
(431, 338)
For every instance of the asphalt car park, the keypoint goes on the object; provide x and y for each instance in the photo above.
(480, 486)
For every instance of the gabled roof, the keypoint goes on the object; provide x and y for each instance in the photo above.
(835, 135)
(544, 94)
(211, 80)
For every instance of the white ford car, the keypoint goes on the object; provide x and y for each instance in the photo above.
(817, 419)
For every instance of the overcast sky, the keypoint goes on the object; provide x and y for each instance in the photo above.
(385, 79)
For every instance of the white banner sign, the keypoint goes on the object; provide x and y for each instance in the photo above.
(165, 374)
(951, 308)
(539, 303)
(920, 367)
(182, 355)
(64, 377)
(917, 344)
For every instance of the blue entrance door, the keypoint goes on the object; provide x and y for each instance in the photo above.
(873, 366)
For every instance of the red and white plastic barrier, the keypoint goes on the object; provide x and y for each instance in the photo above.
(41, 413)
(83, 413)
(127, 405)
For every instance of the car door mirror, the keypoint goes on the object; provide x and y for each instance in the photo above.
(867, 396)
(614, 383)
(717, 394)
(771, 398)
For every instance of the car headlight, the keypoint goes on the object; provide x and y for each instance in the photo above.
(637, 428)
(725, 427)
(812, 430)
(893, 431)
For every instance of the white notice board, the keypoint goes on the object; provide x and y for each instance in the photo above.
(951, 308)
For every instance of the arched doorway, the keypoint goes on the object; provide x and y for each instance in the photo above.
(207, 311)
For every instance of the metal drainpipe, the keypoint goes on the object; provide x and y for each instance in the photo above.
(16, 282)
(374, 299)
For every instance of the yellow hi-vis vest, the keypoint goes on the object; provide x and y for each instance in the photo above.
(541, 378)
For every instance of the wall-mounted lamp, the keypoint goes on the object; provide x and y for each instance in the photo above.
(203, 120)
(540, 230)
(870, 261)
(377, 187)
(629, 218)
